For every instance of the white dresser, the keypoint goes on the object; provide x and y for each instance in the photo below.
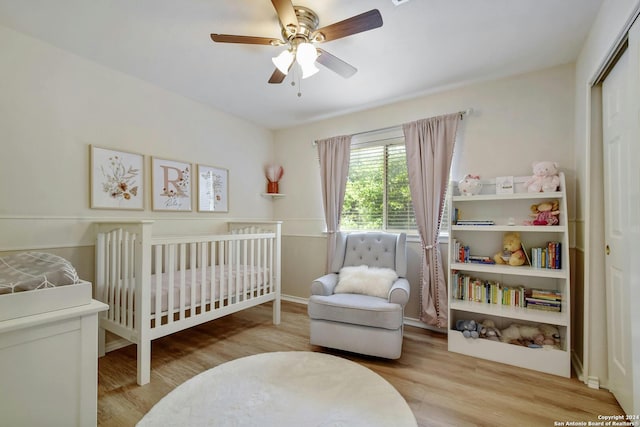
(49, 359)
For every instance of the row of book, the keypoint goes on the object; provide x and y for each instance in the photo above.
(540, 299)
(461, 253)
(547, 257)
(467, 288)
(455, 220)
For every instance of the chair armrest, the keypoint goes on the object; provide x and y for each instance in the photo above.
(400, 291)
(324, 285)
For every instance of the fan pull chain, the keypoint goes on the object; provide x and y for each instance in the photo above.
(296, 75)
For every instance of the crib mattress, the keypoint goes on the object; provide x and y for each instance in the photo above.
(250, 279)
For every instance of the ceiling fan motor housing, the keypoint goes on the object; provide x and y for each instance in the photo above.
(307, 24)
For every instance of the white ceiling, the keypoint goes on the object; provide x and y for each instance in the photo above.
(423, 46)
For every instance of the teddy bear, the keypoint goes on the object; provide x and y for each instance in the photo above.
(545, 213)
(545, 177)
(489, 331)
(469, 328)
(512, 253)
(524, 335)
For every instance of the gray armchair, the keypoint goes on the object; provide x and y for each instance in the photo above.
(358, 322)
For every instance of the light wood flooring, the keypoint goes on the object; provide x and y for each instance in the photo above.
(442, 388)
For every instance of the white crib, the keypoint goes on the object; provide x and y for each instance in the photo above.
(158, 285)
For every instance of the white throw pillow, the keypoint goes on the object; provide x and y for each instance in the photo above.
(365, 280)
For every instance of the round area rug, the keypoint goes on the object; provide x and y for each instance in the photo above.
(295, 388)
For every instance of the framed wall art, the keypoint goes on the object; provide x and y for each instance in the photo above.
(117, 179)
(504, 185)
(171, 185)
(213, 189)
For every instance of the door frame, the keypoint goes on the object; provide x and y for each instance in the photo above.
(594, 264)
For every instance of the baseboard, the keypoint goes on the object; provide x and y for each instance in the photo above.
(593, 382)
(577, 367)
(116, 344)
(420, 324)
(297, 300)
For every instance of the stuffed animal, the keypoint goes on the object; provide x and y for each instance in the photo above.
(545, 213)
(489, 331)
(469, 185)
(469, 328)
(524, 335)
(550, 336)
(512, 253)
(545, 177)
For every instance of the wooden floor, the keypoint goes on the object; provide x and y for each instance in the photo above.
(442, 388)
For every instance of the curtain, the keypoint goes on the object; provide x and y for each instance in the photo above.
(334, 169)
(429, 147)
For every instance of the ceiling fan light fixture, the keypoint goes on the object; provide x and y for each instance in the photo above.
(306, 55)
(283, 61)
(308, 70)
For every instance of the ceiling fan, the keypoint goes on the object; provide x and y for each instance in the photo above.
(300, 33)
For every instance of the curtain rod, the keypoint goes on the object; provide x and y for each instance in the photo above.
(466, 112)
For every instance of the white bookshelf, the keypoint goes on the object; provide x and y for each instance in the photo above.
(509, 213)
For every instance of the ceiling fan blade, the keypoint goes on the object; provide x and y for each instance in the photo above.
(286, 14)
(277, 76)
(356, 24)
(335, 64)
(228, 38)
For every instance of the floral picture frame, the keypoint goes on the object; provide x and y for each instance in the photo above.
(213, 189)
(116, 179)
(171, 185)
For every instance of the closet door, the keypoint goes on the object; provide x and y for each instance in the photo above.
(620, 117)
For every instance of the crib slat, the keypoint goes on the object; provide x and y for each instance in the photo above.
(271, 270)
(203, 276)
(170, 271)
(158, 264)
(112, 278)
(221, 283)
(183, 256)
(253, 267)
(237, 271)
(212, 285)
(132, 280)
(122, 299)
(229, 271)
(264, 265)
(193, 267)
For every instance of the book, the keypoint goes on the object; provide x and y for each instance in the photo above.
(475, 222)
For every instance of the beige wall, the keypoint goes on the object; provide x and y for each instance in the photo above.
(54, 104)
(604, 35)
(515, 121)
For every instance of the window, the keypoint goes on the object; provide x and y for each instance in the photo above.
(377, 195)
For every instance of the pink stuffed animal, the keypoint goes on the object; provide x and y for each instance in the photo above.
(545, 177)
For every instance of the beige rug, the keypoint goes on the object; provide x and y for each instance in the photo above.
(294, 388)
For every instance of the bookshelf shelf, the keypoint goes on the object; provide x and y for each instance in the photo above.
(520, 313)
(509, 213)
(507, 269)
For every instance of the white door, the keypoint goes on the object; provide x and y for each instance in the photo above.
(618, 134)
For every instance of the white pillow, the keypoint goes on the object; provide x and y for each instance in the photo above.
(365, 280)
